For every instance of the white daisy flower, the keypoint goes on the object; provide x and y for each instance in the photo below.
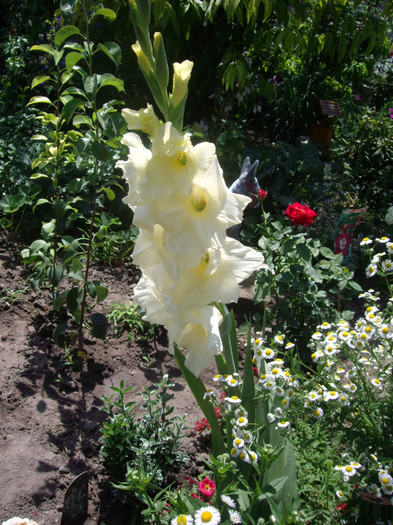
(343, 400)
(365, 241)
(289, 345)
(279, 339)
(387, 265)
(268, 353)
(313, 396)
(182, 519)
(317, 413)
(233, 400)
(330, 394)
(228, 501)
(371, 270)
(348, 471)
(234, 516)
(374, 489)
(317, 336)
(242, 422)
(209, 515)
(325, 326)
(382, 240)
(238, 443)
(271, 417)
(283, 424)
(339, 493)
(252, 457)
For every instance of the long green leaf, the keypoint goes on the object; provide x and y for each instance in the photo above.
(198, 389)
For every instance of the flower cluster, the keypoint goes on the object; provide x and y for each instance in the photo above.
(274, 377)
(380, 261)
(300, 214)
(183, 209)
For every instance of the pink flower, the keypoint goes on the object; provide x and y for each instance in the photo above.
(300, 214)
(207, 487)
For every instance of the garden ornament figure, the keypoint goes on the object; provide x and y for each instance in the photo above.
(246, 184)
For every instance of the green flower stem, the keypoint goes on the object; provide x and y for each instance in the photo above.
(198, 389)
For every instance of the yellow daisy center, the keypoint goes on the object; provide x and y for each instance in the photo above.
(181, 520)
(206, 516)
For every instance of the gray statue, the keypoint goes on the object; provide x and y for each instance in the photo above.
(246, 184)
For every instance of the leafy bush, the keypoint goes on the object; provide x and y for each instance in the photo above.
(364, 149)
(148, 443)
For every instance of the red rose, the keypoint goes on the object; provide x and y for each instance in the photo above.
(300, 214)
(262, 194)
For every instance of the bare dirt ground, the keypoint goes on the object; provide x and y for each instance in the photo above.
(50, 421)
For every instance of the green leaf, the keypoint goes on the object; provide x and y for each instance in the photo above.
(106, 13)
(326, 252)
(39, 176)
(72, 58)
(12, 203)
(39, 100)
(74, 298)
(41, 201)
(90, 85)
(111, 50)
(43, 47)
(67, 8)
(70, 107)
(80, 120)
(109, 80)
(65, 32)
(109, 193)
(55, 274)
(39, 80)
(304, 252)
(101, 291)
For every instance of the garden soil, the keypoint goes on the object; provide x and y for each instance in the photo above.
(51, 414)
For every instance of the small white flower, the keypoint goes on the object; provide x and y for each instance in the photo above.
(383, 240)
(279, 339)
(365, 241)
(208, 515)
(234, 516)
(283, 424)
(268, 353)
(317, 413)
(228, 501)
(182, 519)
(371, 270)
(348, 471)
(233, 400)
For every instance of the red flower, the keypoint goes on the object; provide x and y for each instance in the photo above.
(207, 487)
(262, 194)
(217, 410)
(300, 214)
(201, 425)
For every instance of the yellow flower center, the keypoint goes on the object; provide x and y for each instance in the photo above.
(368, 329)
(385, 330)
(206, 516)
(241, 419)
(384, 481)
(198, 202)
(181, 520)
(348, 468)
(181, 158)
